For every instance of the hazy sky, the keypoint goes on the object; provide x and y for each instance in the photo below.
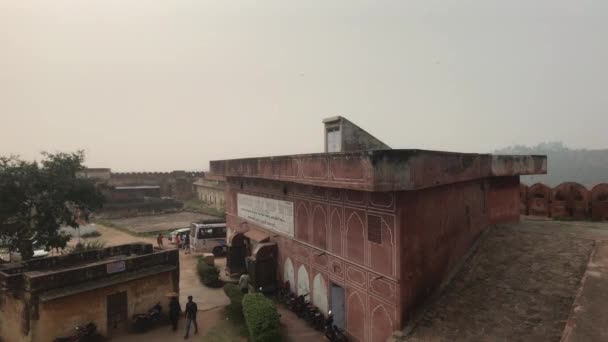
(162, 85)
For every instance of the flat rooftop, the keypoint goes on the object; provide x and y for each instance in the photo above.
(86, 269)
(538, 280)
(381, 170)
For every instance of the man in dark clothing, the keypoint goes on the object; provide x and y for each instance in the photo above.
(174, 311)
(187, 244)
(190, 313)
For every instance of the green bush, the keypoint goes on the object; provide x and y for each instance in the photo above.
(234, 310)
(262, 318)
(92, 234)
(209, 275)
(87, 246)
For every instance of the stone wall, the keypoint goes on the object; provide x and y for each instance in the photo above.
(438, 226)
(176, 184)
(566, 201)
(58, 317)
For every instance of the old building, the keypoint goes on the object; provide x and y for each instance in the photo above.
(45, 298)
(368, 231)
(211, 191)
(177, 184)
(133, 193)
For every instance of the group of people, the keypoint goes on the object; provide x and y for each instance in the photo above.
(175, 311)
(185, 244)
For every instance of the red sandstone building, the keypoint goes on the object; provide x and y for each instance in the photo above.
(368, 231)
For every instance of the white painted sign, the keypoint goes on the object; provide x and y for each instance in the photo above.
(116, 267)
(268, 213)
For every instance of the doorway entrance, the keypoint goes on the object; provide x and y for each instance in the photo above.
(337, 305)
(117, 313)
(237, 254)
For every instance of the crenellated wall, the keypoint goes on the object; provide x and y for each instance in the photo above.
(568, 200)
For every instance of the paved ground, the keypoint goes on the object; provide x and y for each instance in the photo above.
(520, 285)
(297, 329)
(155, 223)
(206, 320)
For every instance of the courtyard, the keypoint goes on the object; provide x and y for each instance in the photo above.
(157, 223)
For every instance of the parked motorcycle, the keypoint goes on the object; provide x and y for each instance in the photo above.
(86, 333)
(283, 293)
(313, 316)
(301, 305)
(290, 301)
(145, 321)
(332, 332)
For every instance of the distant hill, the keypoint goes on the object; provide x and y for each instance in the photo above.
(588, 167)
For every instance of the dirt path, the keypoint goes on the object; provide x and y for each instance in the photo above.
(206, 320)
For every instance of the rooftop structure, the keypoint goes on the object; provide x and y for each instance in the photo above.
(370, 232)
(45, 298)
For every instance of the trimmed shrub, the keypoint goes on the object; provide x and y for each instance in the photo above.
(209, 275)
(92, 234)
(234, 310)
(262, 318)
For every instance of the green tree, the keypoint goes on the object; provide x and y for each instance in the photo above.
(37, 198)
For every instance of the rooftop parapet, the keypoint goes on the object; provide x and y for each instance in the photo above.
(381, 170)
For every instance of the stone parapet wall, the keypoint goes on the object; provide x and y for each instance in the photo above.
(568, 200)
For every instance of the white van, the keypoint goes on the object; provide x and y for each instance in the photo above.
(182, 232)
(209, 237)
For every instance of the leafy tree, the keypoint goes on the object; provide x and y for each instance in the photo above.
(36, 199)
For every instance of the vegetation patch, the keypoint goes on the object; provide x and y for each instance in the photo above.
(234, 310)
(87, 246)
(209, 275)
(262, 318)
(198, 206)
(89, 235)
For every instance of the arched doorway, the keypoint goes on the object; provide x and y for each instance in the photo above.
(303, 281)
(237, 253)
(289, 275)
(319, 290)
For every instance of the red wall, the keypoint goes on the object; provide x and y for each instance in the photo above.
(570, 200)
(331, 239)
(503, 199)
(599, 202)
(423, 234)
(539, 198)
(438, 226)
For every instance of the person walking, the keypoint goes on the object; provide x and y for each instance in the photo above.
(178, 241)
(187, 244)
(159, 240)
(244, 283)
(174, 311)
(190, 313)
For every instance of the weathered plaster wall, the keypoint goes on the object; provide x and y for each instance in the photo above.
(503, 199)
(599, 202)
(567, 200)
(11, 313)
(59, 317)
(539, 198)
(438, 226)
(380, 170)
(570, 200)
